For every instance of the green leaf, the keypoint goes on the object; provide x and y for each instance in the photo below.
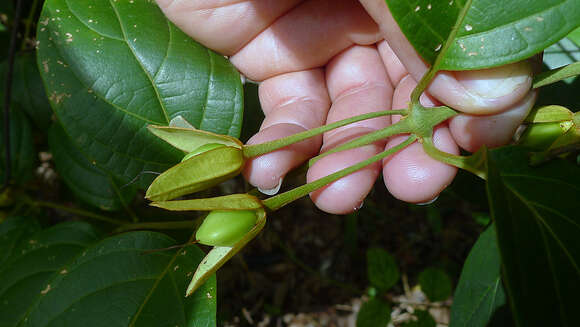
(536, 217)
(480, 291)
(27, 89)
(492, 33)
(435, 283)
(88, 182)
(374, 313)
(12, 231)
(424, 319)
(22, 152)
(382, 269)
(557, 75)
(574, 36)
(61, 277)
(113, 67)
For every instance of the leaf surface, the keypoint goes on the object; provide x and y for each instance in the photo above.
(22, 154)
(113, 67)
(535, 210)
(12, 231)
(374, 313)
(479, 291)
(63, 276)
(435, 283)
(27, 89)
(382, 269)
(492, 33)
(87, 181)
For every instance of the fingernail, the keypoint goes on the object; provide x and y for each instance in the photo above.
(496, 82)
(428, 202)
(273, 190)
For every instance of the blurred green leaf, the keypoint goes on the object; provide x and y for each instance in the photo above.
(435, 283)
(113, 67)
(88, 182)
(12, 231)
(535, 211)
(61, 277)
(492, 33)
(424, 319)
(27, 89)
(382, 269)
(479, 292)
(574, 36)
(22, 152)
(374, 313)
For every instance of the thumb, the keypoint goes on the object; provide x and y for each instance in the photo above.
(479, 92)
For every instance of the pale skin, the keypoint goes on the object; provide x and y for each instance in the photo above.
(319, 61)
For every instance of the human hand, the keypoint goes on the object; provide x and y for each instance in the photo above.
(319, 61)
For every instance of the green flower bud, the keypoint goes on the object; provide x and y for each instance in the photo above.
(225, 227)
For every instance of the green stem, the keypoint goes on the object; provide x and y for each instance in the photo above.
(77, 211)
(185, 224)
(474, 163)
(29, 21)
(280, 200)
(260, 149)
(430, 74)
(400, 127)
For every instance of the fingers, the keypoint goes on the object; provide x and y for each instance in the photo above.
(224, 25)
(479, 92)
(411, 175)
(471, 132)
(292, 103)
(357, 84)
(306, 37)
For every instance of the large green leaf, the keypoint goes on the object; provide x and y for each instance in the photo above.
(12, 231)
(22, 155)
(61, 277)
(113, 67)
(479, 291)
(492, 32)
(87, 181)
(536, 214)
(27, 89)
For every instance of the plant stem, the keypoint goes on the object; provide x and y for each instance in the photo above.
(259, 149)
(280, 200)
(29, 21)
(474, 163)
(78, 211)
(400, 127)
(430, 74)
(185, 224)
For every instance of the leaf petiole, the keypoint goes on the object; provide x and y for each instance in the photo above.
(280, 200)
(263, 148)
